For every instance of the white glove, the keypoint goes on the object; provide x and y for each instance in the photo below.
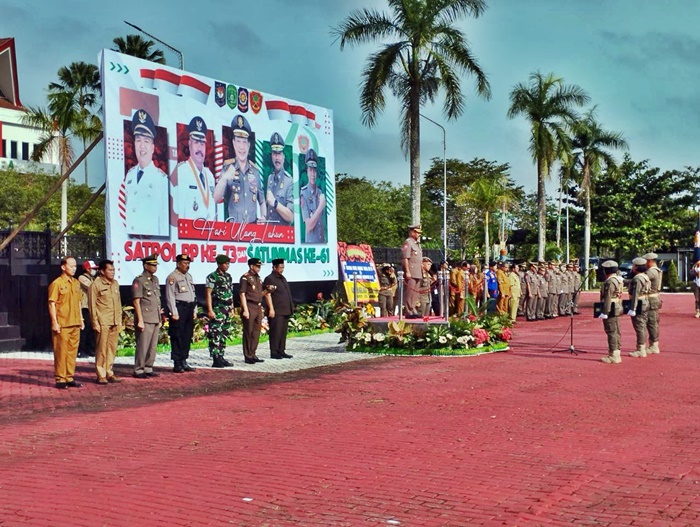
(603, 316)
(632, 313)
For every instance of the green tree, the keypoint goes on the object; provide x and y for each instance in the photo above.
(548, 104)
(591, 144)
(425, 53)
(139, 47)
(82, 81)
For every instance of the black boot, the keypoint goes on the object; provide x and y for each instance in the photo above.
(177, 368)
(187, 367)
(218, 362)
(226, 363)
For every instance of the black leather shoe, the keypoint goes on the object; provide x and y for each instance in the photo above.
(226, 363)
(187, 367)
(276, 357)
(141, 375)
(286, 356)
(250, 361)
(61, 385)
(258, 360)
(178, 368)
(218, 362)
(74, 384)
(153, 374)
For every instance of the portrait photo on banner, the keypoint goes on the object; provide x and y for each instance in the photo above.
(278, 181)
(312, 197)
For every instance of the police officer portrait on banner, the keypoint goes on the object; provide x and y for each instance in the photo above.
(312, 201)
(191, 182)
(279, 195)
(239, 187)
(146, 198)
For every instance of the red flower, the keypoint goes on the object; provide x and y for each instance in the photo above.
(505, 335)
(472, 318)
(319, 296)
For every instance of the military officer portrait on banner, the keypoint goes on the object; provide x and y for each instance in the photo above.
(146, 199)
(312, 202)
(239, 187)
(191, 182)
(279, 196)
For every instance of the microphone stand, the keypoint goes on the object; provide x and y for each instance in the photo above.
(572, 348)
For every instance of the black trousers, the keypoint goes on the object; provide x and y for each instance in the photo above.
(86, 348)
(278, 334)
(180, 331)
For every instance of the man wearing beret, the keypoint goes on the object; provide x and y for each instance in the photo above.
(251, 296)
(192, 183)
(219, 294)
(611, 297)
(655, 275)
(639, 304)
(239, 185)
(145, 290)
(280, 296)
(146, 185)
(313, 202)
(412, 261)
(182, 305)
(279, 194)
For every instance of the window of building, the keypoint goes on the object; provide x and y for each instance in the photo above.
(13, 149)
(25, 151)
(3, 152)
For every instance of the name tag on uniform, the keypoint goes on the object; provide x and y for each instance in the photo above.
(193, 187)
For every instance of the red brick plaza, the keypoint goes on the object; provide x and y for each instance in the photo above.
(527, 437)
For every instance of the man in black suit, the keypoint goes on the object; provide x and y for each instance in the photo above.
(277, 287)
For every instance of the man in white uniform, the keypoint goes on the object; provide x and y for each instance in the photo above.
(145, 185)
(192, 183)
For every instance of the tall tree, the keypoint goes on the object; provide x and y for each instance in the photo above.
(591, 146)
(82, 81)
(139, 47)
(548, 104)
(425, 53)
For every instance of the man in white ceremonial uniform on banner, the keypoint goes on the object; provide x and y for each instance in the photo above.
(192, 183)
(146, 185)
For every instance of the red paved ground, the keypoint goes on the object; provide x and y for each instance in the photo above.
(527, 437)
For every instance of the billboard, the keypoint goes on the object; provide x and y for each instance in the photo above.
(203, 167)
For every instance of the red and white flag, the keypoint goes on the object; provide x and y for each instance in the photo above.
(277, 110)
(166, 81)
(147, 77)
(194, 88)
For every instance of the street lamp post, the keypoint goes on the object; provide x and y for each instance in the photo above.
(444, 185)
(182, 58)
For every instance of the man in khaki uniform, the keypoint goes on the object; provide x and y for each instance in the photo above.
(611, 297)
(544, 292)
(503, 289)
(424, 300)
(412, 261)
(106, 317)
(639, 304)
(145, 291)
(458, 279)
(532, 290)
(251, 309)
(66, 323)
(181, 300)
(553, 283)
(515, 292)
(655, 275)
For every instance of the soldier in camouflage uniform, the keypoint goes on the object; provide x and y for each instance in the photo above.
(219, 293)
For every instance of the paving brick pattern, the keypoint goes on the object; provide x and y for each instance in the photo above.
(523, 438)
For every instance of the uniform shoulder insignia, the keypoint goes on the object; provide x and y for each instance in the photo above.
(253, 165)
(171, 281)
(304, 187)
(246, 275)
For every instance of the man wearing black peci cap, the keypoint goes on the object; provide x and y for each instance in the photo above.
(280, 295)
(182, 305)
(251, 296)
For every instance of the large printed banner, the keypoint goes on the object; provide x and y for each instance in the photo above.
(202, 167)
(359, 260)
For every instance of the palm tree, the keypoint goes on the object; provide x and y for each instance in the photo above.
(139, 47)
(489, 193)
(548, 104)
(590, 149)
(426, 53)
(82, 80)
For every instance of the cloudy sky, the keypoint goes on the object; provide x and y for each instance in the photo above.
(638, 60)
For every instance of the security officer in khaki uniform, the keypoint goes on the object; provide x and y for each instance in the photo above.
(504, 289)
(639, 304)
(251, 295)
(544, 292)
(576, 292)
(553, 282)
(532, 291)
(387, 289)
(106, 317)
(611, 297)
(279, 195)
(424, 299)
(412, 261)
(66, 323)
(655, 275)
(181, 300)
(145, 290)
(515, 292)
(239, 184)
(313, 202)
(280, 296)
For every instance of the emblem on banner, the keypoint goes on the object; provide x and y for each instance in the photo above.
(303, 143)
(242, 100)
(231, 96)
(256, 100)
(220, 93)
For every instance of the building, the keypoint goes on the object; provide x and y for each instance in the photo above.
(16, 139)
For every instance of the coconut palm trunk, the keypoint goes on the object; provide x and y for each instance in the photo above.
(587, 222)
(415, 155)
(541, 211)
